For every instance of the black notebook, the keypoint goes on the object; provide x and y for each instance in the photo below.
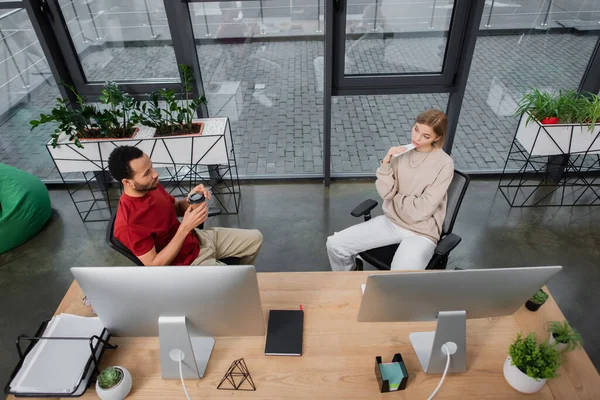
(284, 333)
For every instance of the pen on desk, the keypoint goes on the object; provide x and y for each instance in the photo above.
(301, 309)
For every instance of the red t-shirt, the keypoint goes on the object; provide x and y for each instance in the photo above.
(151, 221)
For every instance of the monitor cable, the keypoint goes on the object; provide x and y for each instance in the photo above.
(446, 350)
(181, 375)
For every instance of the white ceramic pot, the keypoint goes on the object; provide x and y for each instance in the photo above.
(520, 381)
(118, 392)
(559, 346)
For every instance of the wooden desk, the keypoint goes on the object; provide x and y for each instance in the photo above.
(339, 353)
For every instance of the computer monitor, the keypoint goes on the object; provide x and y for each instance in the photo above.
(184, 306)
(450, 297)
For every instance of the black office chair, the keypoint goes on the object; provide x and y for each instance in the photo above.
(115, 244)
(381, 257)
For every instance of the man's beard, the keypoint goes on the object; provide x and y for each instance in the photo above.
(148, 188)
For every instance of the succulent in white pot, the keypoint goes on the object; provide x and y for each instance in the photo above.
(114, 383)
(530, 364)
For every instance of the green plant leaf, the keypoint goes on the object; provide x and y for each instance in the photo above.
(538, 361)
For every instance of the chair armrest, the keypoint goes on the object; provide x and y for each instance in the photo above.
(364, 208)
(447, 244)
(212, 211)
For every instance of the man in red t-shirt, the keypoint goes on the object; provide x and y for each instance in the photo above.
(147, 224)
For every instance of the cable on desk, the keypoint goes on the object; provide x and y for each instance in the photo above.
(445, 372)
(181, 375)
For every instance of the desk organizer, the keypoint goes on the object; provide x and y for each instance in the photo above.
(384, 384)
(91, 367)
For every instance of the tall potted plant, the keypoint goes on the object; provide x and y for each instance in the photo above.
(114, 383)
(563, 336)
(530, 364)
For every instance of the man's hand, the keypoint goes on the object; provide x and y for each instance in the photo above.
(201, 189)
(393, 151)
(193, 218)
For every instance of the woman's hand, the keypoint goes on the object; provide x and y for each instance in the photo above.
(393, 151)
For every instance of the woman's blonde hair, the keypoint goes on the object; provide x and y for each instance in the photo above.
(436, 120)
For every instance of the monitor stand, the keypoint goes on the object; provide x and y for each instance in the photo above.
(174, 336)
(451, 327)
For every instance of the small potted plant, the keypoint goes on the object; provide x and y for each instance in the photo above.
(114, 383)
(530, 364)
(537, 300)
(563, 336)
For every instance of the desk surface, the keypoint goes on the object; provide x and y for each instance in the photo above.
(339, 352)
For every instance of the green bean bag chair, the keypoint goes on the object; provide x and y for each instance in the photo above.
(24, 206)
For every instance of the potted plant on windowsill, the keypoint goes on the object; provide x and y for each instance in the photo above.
(563, 336)
(114, 383)
(559, 123)
(530, 364)
(537, 300)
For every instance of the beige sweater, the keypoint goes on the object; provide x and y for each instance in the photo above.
(415, 198)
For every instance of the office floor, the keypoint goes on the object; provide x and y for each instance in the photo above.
(296, 219)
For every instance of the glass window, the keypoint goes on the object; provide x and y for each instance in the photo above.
(128, 40)
(384, 37)
(363, 128)
(503, 69)
(272, 90)
(23, 65)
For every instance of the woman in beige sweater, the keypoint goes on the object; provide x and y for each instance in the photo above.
(412, 183)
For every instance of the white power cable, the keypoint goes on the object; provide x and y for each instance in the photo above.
(181, 375)
(445, 372)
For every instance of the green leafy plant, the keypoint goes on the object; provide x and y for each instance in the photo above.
(110, 377)
(564, 333)
(540, 297)
(570, 106)
(179, 108)
(75, 122)
(593, 107)
(188, 110)
(538, 361)
(538, 105)
(119, 119)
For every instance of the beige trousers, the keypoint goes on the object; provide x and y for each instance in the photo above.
(218, 243)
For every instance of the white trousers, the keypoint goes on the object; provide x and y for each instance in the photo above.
(414, 251)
